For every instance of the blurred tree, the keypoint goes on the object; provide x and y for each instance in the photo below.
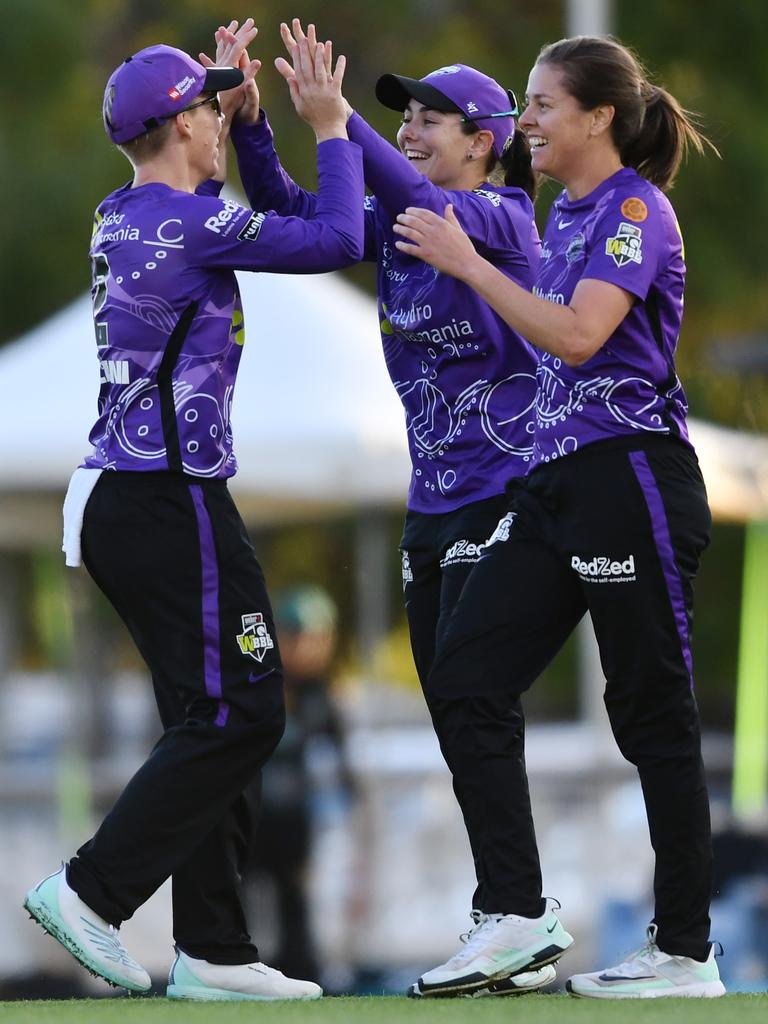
(55, 163)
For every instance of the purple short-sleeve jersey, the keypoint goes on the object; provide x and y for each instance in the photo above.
(167, 310)
(624, 232)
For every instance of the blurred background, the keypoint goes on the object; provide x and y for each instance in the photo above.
(373, 880)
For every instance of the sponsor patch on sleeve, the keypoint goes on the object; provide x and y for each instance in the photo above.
(250, 231)
(626, 245)
(634, 209)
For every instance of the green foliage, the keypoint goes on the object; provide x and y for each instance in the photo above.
(56, 163)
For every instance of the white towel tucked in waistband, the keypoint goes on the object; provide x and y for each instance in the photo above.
(79, 491)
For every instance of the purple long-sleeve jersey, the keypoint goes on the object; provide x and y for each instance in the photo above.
(466, 379)
(624, 232)
(168, 315)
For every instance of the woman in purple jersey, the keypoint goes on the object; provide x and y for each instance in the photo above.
(161, 536)
(466, 380)
(612, 519)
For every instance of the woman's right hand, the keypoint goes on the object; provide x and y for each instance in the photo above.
(231, 51)
(314, 85)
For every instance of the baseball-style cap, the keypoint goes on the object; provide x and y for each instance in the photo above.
(155, 84)
(460, 89)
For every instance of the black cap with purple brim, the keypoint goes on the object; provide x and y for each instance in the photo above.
(460, 89)
(154, 85)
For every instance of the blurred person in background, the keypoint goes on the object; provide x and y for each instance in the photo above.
(159, 532)
(612, 518)
(465, 378)
(306, 621)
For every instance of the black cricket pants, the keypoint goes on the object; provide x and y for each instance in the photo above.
(439, 551)
(616, 529)
(172, 555)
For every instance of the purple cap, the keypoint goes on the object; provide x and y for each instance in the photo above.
(154, 85)
(459, 88)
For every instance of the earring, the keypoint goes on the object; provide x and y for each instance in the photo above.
(469, 156)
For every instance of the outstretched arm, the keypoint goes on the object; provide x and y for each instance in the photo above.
(574, 332)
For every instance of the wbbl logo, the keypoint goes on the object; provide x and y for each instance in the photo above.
(407, 570)
(255, 639)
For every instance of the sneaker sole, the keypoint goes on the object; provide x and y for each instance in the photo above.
(48, 920)
(704, 990)
(194, 993)
(546, 956)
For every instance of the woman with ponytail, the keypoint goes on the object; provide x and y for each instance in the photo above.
(611, 519)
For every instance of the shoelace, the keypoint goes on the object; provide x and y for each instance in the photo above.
(472, 938)
(642, 958)
(109, 943)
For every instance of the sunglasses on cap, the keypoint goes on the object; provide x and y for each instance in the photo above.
(514, 112)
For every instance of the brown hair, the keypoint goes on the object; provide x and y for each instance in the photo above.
(146, 145)
(513, 168)
(650, 130)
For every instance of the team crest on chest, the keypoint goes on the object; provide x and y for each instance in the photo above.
(255, 639)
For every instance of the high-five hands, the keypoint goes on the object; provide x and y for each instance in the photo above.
(314, 85)
(231, 51)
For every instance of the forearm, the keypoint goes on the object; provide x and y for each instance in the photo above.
(550, 326)
(265, 181)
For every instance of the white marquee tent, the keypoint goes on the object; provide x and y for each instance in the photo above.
(316, 419)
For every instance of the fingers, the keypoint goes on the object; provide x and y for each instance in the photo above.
(451, 217)
(338, 74)
(288, 41)
(285, 69)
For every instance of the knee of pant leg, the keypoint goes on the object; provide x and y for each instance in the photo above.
(647, 736)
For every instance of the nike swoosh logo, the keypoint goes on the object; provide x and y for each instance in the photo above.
(255, 679)
(550, 930)
(564, 224)
(621, 977)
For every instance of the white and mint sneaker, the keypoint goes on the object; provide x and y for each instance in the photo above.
(91, 940)
(204, 982)
(498, 947)
(650, 973)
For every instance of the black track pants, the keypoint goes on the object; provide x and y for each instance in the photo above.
(172, 555)
(616, 529)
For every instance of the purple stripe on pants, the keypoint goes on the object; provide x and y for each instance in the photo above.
(211, 633)
(666, 553)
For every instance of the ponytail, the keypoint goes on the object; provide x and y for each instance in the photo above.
(516, 165)
(650, 129)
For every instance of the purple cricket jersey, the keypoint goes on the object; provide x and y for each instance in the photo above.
(167, 310)
(624, 232)
(465, 378)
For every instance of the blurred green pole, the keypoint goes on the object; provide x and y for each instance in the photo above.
(750, 751)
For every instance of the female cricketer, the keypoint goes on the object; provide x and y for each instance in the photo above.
(160, 534)
(612, 519)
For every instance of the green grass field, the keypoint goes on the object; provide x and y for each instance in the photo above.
(533, 1009)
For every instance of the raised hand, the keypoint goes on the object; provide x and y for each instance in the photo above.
(231, 51)
(437, 240)
(314, 85)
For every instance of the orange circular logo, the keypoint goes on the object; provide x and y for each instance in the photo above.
(634, 209)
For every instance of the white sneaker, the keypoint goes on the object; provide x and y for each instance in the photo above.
(205, 982)
(91, 940)
(499, 946)
(651, 974)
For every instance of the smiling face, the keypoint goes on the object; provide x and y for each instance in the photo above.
(434, 142)
(558, 129)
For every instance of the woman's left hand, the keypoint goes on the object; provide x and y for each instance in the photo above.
(437, 240)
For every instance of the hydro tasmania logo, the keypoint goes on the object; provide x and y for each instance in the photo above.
(602, 569)
(255, 639)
